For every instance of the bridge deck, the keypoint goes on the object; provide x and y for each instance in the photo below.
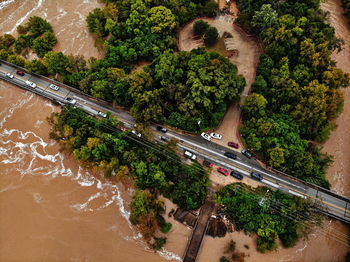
(198, 233)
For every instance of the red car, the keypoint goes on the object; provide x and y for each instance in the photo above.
(223, 171)
(233, 144)
(21, 73)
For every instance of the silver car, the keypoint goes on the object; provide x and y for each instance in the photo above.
(9, 75)
(31, 84)
(54, 87)
(102, 114)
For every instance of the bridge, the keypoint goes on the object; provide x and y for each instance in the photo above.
(330, 203)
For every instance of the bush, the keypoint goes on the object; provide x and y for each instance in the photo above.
(211, 36)
(200, 27)
(159, 242)
(166, 227)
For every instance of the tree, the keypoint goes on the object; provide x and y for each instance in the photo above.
(36, 26)
(56, 63)
(17, 60)
(255, 106)
(36, 66)
(211, 36)
(44, 43)
(96, 22)
(276, 157)
(6, 41)
(265, 18)
(162, 20)
(199, 27)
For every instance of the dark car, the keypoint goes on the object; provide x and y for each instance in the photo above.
(246, 153)
(237, 175)
(162, 129)
(21, 73)
(233, 144)
(230, 155)
(207, 163)
(164, 138)
(256, 176)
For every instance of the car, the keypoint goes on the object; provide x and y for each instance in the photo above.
(102, 114)
(19, 72)
(70, 100)
(256, 176)
(164, 138)
(230, 155)
(162, 129)
(136, 133)
(206, 136)
(207, 163)
(223, 171)
(216, 135)
(237, 175)
(54, 87)
(9, 75)
(190, 155)
(233, 144)
(246, 153)
(31, 84)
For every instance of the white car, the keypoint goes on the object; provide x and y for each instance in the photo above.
(71, 100)
(216, 135)
(9, 75)
(190, 155)
(31, 84)
(206, 136)
(102, 114)
(136, 133)
(54, 87)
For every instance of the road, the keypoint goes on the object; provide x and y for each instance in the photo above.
(330, 203)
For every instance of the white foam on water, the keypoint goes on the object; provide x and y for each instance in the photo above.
(168, 255)
(4, 4)
(21, 20)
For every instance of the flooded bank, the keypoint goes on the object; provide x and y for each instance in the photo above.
(338, 143)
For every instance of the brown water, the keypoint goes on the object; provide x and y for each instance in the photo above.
(67, 18)
(338, 144)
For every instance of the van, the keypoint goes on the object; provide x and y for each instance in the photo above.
(256, 176)
(190, 155)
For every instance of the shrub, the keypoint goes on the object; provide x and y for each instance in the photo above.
(211, 36)
(200, 27)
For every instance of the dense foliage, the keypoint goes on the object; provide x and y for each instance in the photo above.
(269, 214)
(142, 30)
(37, 34)
(92, 142)
(297, 92)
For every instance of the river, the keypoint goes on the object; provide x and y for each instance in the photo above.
(54, 210)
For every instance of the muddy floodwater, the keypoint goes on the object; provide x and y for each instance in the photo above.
(52, 209)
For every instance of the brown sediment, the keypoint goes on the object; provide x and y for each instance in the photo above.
(338, 144)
